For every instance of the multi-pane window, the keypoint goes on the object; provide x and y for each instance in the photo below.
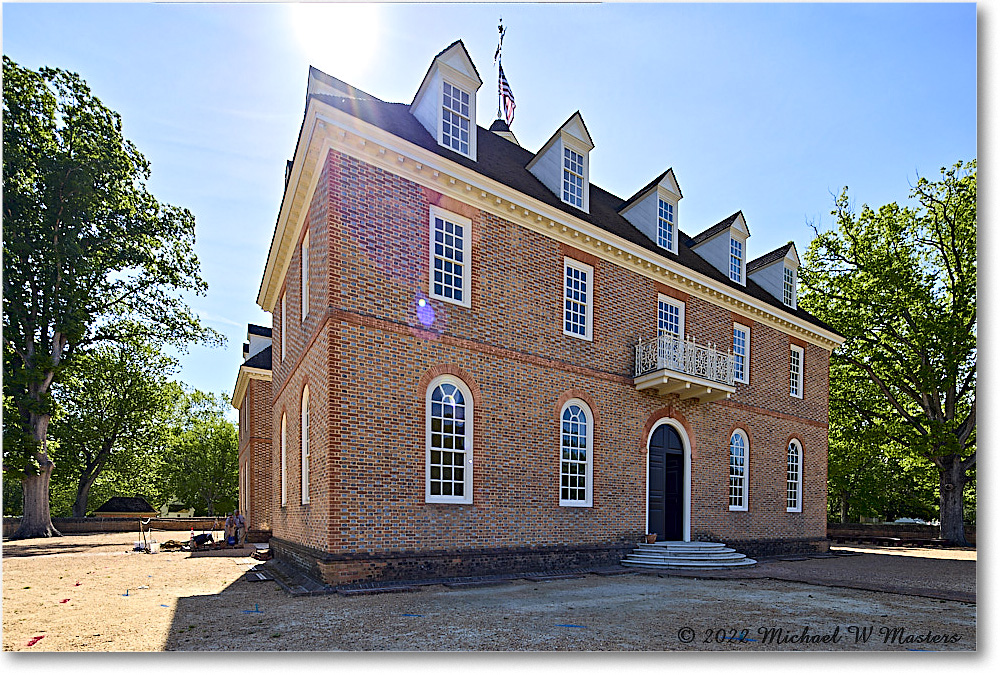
(789, 287)
(284, 459)
(305, 277)
(738, 472)
(305, 445)
(577, 299)
(450, 250)
(736, 260)
(793, 482)
(572, 178)
(741, 352)
(670, 317)
(284, 297)
(576, 462)
(665, 229)
(449, 442)
(455, 119)
(795, 372)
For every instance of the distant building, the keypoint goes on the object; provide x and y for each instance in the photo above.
(483, 362)
(126, 507)
(252, 397)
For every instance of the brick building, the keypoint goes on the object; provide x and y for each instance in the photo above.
(482, 361)
(252, 397)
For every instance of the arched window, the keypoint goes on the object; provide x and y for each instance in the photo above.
(793, 482)
(305, 277)
(305, 444)
(576, 460)
(738, 471)
(449, 441)
(284, 459)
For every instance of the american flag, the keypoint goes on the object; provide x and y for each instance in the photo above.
(508, 98)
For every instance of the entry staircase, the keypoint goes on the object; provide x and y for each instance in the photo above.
(686, 555)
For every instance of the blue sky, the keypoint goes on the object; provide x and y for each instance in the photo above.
(768, 109)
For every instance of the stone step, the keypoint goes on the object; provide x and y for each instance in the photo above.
(731, 555)
(653, 550)
(705, 564)
(686, 544)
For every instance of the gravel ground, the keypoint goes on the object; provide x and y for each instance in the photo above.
(72, 592)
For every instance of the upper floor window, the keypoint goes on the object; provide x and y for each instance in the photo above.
(305, 445)
(795, 372)
(576, 458)
(789, 287)
(741, 352)
(449, 441)
(450, 253)
(793, 481)
(670, 317)
(736, 260)
(282, 335)
(665, 228)
(284, 459)
(578, 300)
(573, 178)
(455, 119)
(738, 471)
(305, 276)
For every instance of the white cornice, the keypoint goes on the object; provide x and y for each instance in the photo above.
(328, 128)
(243, 381)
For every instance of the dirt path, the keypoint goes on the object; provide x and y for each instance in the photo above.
(205, 603)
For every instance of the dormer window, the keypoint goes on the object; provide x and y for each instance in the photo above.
(665, 229)
(789, 287)
(736, 260)
(455, 123)
(573, 178)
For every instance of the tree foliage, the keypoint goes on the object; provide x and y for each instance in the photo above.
(89, 256)
(899, 283)
(112, 404)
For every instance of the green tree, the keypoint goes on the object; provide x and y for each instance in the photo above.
(112, 401)
(899, 284)
(89, 256)
(201, 462)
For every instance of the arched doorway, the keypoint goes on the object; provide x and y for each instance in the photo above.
(667, 486)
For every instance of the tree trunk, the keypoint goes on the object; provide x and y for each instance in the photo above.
(843, 508)
(37, 519)
(82, 494)
(952, 503)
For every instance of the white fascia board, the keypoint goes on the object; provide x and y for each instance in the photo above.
(792, 257)
(441, 174)
(243, 381)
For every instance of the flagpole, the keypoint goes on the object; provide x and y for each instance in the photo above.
(499, 60)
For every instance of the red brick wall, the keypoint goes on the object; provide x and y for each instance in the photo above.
(368, 361)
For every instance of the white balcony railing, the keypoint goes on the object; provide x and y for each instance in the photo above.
(671, 352)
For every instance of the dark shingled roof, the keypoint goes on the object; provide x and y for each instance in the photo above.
(724, 224)
(125, 505)
(254, 329)
(261, 360)
(645, 188)
(768, 258)
(505, 162)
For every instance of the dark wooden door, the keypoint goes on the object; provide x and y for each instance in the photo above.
(666, 484)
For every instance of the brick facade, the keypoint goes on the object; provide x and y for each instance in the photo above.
(367, 356)
(256, 468)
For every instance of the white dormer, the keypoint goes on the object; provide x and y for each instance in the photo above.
(563, 163)
(445, 103)
(654, 210)
(724, 246)
(777, 273)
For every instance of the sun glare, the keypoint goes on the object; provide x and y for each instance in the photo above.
(338, 38)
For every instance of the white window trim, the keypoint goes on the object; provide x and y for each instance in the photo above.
(284, 460)
(436, 212)
(798, 485)
(799, 381)
(284, 303)
(676, 303)
(304, 440)
(743, 377)
(743, 259)
(305, 276)
(589, 500)
(466, 498)
(673, 239)
(795, 286)
(471, 154)
(583, 267)
(745, 506)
